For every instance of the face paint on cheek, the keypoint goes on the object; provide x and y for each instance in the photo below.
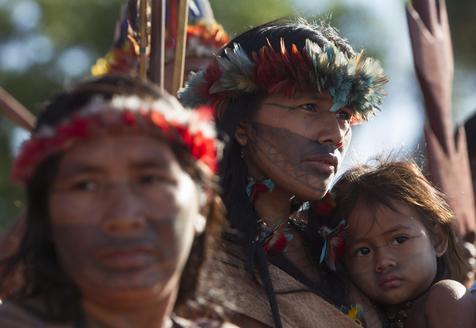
(95, 260)
(186, 209)
(305, 160)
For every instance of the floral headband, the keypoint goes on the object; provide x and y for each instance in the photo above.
(121, 114)
(356, 82)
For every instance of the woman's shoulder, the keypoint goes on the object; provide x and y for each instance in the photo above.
(450, 304)
(12, 315)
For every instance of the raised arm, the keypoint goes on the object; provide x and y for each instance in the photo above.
(447, 155)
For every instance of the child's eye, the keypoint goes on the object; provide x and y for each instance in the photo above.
(399, 240)
(311, 107)
(362, 251)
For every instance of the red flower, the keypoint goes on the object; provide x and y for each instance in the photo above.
(128, 118)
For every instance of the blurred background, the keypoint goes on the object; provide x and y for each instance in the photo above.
(47, 44)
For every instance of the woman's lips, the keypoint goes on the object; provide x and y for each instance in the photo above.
(326, 164)
(126, 259)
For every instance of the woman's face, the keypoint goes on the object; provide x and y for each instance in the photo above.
(122, 213)
(297, 142)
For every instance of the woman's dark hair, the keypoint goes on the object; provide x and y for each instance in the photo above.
(43, 277)
(402, 182)
(233, 171)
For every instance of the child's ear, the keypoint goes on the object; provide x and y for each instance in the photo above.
(241, 134)
(440, 240)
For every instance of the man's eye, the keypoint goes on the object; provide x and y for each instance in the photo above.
(399, 240)
(362, 251)
(309, 107)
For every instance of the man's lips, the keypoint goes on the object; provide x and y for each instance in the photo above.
(326, 163)
(130, 258)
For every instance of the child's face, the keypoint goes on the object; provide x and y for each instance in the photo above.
(389, 254)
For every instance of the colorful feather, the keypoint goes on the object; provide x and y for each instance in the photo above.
(356, 82)
(334, 244)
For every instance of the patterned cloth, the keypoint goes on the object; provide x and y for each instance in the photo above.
(247, 300)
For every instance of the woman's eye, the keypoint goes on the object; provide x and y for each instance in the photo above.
(399, 240)
(309, 107)
(152, 179)
(149, 179)
(344, 115)
(362, 251)
(85, 185)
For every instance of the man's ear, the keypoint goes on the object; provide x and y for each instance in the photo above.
(241, 134)
(440, 240)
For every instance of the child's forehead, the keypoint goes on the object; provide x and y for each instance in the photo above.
(375, 216)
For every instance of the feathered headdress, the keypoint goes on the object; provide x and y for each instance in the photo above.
(356, 82)
(204, 37)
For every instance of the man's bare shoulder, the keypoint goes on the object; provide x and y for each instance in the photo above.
(449, 303)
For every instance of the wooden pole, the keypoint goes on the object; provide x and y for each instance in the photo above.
(143, 39)
(15, 111)
(179, 61)
(157, 44)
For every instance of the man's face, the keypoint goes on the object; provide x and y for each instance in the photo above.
(122, 212)
(298, 142)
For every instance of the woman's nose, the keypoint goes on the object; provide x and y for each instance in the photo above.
(124, 211)
(331, 131)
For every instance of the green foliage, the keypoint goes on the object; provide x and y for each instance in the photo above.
(462, 15)
(11, 197)
(86, 23)
(237, 16)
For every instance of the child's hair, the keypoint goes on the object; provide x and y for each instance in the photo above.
(402, 181)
